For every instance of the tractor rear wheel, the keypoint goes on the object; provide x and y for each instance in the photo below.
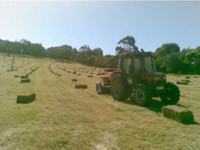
(142, 96)
(171, 94)
(119, 88)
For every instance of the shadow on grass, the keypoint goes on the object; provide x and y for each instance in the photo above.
(154, 105)
(157, 106)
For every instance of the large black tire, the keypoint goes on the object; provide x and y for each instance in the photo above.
(142, 95)
(171, 94)
(119, 88)
(100, 89)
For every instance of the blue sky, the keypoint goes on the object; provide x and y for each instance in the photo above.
(102, 24)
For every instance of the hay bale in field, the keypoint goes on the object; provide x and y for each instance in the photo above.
(90, 76)
(182, 82)
(187, 77)
(81, 86)
(26, 80)
(16, 76)
(24, 99)
(186, 80)
(23, 76)
(74, 80)
(177, 113)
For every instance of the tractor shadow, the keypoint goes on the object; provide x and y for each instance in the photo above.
(154, 105)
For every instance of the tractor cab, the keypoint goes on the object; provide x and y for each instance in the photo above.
(140, 67)
(137, 62)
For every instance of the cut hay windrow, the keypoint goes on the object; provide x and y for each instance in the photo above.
(25, 99)
(81, 86)
(179, 114)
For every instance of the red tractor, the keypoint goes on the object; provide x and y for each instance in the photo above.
(136, 77)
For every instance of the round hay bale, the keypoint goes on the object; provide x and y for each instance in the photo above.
(26, 80)
(81, 86)
(24, 99)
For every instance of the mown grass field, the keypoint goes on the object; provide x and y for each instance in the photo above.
(63, 117)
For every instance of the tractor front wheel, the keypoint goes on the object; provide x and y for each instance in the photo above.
(171, 94)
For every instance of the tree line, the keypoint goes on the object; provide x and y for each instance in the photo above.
(168, 58)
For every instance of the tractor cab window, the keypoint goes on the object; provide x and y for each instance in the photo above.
(148, 64)
(137, 65)
(127, 65)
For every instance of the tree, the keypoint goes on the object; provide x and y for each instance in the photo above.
(98, 51)
(126, 44)
(167, 49)
(192, 58)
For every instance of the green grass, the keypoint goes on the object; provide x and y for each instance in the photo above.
(63, 117)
